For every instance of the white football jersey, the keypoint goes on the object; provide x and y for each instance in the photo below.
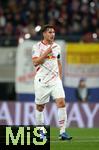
(48, 71)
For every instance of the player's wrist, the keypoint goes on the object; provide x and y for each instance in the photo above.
(49, 50)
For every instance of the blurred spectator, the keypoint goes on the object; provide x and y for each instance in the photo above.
(82, 92)
(87, 37)
(97, 32)
(2, 18)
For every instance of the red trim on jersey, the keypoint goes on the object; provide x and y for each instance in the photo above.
(50, 57)
(44, 43)
(37, 69)
(51, 78)
(34, 57)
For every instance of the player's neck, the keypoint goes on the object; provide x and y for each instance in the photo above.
(46, 42)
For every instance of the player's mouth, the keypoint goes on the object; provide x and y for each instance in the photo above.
(52, 38)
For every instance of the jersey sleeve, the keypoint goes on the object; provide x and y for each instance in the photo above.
(58, 52)
(35, 51)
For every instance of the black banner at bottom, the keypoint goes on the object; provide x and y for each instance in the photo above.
(24, 137)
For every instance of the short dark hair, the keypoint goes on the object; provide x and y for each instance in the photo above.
(45, 27)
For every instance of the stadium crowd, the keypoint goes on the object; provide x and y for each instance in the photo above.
(69, 17)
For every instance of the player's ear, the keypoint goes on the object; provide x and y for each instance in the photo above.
(43, 33)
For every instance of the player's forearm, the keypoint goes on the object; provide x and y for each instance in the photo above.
(60, 74)
(37, 61)
(41, 59)
(60, 69)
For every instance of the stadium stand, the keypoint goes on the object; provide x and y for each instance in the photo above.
(71, 18)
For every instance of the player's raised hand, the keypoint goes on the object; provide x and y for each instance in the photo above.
(49, 50)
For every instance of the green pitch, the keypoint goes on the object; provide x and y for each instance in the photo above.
(83, 139)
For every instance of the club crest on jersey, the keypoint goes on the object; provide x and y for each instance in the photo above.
(50, 56)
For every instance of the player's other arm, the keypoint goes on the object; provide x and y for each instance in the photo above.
(40, 59)
(60, 68)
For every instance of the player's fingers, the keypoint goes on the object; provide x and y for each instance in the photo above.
(54, 46)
